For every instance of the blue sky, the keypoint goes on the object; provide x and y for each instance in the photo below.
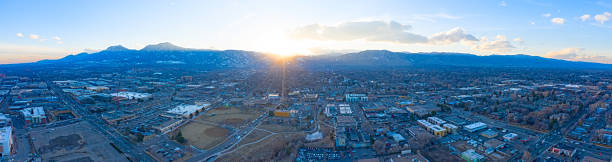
(34, 30)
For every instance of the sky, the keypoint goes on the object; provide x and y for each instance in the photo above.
(562, 29)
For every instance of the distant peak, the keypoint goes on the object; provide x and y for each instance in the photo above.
(166, 46)
(116, 48)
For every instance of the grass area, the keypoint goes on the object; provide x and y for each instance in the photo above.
(204, 136)
(279, 147)
(254, 136)
(231, 116)
(278, 127)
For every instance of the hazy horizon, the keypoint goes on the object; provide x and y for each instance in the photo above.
(575, 31)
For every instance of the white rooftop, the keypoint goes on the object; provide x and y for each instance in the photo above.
(475, 125)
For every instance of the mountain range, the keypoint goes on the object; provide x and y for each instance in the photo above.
(167, 54)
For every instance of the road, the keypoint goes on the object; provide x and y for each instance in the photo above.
(231, 141)
(130, 150)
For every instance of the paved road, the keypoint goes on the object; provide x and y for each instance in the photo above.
(131, 151)
(228, 143)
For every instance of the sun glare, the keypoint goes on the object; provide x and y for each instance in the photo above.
(279, 44)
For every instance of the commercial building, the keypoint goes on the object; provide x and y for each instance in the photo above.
(6, 141)
(168, 125)
(356, 98)
(475, 127)
(329, 110)
(450, 128)
(282, 113)
(5, 120)
(97, 88)
(563, 150)
(132, 95)
(432, 128)
(510, 136)
(188, 111)
(34, 115)
(345, 109)
(435, 120)
(472, 156)
(489, 133)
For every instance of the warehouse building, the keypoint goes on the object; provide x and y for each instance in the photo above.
(188, 111)
(475, 127)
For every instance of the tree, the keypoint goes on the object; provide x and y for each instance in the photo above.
(179, 138)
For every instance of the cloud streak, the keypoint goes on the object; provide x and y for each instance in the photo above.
(577, 54)
(378, 31)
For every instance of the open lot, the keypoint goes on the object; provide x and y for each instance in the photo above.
(279, 147)
(231, 116)
(74, 142)
(204, 136)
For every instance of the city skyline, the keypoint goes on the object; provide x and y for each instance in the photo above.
(49, 30)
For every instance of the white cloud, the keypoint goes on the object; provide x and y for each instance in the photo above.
(380, 31)
(532, 23)
(60, 42)
(503, 3)
(34, 36)
(500, 45)
(602, 18)
(19, 34)
(519, 40)
(452, 36)
(546, 15)
(585, 17)
(577, 54)
(557, 20)
(57, 38)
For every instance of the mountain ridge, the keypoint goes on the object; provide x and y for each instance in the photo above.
(166, 54)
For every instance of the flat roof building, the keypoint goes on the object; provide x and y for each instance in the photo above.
(188, 111)
(475, 127)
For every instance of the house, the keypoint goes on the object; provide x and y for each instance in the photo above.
(562, 150)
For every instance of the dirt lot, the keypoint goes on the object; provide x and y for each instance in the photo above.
(285, 127)
(74, 142)
(204, 136)
(231, 116)
(254, 136)
(280, 147)
(439, 153)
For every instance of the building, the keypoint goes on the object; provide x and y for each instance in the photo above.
(356, 98)
(188, 111)
(282, 113)
(311, 97)
(510, 136)
(345, 109)
(168, 125)
(132, 95)
(34, 115)
(563, 150)
(422, 110)
(475, 127)
(432, 128)
(5, 120)
(346, 121)
(472, 156)
(489, 133)
(329, 110)
(435, 120)
(97, 88)
(450, 128)
(6, 139)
